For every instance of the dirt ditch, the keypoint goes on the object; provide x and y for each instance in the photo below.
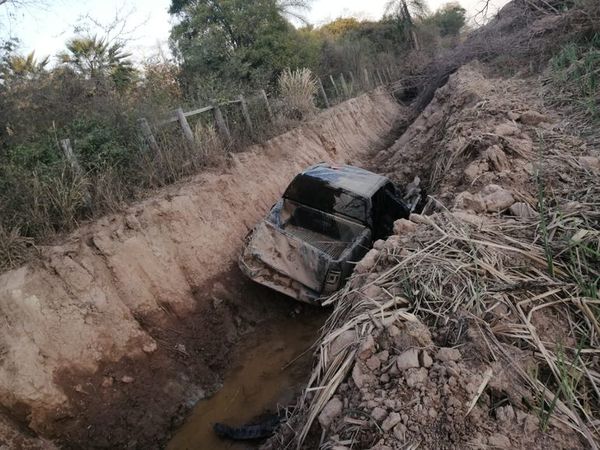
(466, 329)
(111, 337)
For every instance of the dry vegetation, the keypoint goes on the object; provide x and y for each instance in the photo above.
(476, 325)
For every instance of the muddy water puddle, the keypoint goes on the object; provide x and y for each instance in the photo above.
(270, 367)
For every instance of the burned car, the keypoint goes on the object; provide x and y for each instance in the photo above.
(326, 221)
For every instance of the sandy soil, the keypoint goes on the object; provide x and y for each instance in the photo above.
(114, 333)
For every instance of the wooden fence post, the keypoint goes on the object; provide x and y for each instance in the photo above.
(353, 82)
(322, 89)
(337, 92)
(245, 112)
(147, 133)
(267, 104)
(185, 126)
(344, 86)
(65, 145)
(367, 81)
(220, 121)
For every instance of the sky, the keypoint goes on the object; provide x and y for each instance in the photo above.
(46, 28)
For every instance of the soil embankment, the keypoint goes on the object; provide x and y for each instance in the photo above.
(128, 323)
(470, 326)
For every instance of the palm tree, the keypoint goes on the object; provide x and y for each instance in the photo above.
(404, 12)
(19, 66)
(95, 58)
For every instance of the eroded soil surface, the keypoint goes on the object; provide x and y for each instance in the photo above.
(112, 336)
(452, 333)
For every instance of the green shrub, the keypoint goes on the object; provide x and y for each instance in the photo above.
(575, 73)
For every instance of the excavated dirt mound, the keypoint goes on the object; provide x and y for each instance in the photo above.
(111, 335)
(466, 328)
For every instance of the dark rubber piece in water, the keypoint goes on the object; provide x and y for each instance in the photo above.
(260, 430)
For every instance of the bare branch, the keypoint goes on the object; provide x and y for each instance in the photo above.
(118, 29)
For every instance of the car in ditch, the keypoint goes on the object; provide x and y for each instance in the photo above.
(326, 221)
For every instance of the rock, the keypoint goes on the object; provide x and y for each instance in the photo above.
(343, 341)
(330, 412)
(381, 446)
(385, 378)
(470, 218)
(132, 222)
(524, 210)
(393, 331)
(475, 169)
(373, 363)
(426, 360)
(408, 359)
(490, 189)
(469, 202)
(499, 441)
(150, 347)
(107, 381)
(379, 414)
(416, 377)
(181, 348)
(513, 115)
(127, 379)
(446, 354)
(378, 244)
(391, 421)
(590, 163)
(497, 200)
(400, 432)
(359, 378)
(383, 356)
(368, 262)
(533, 118)
(497, 158)
(507, 129)
(373, 292)
(367, 348)
(403, 227)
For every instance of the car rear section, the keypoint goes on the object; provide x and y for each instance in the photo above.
(302, 252)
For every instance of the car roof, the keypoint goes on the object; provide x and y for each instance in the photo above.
(351, 179)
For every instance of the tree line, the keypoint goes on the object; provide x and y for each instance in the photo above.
(93, 93)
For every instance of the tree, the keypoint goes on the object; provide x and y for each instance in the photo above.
(23, 67)
(449, 19)
(235, 39)
(404, 13)
(95, 58)
(340, 27)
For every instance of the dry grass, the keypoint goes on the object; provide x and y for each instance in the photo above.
(13, 247)
(545, 272)
(453, 267)
(298, 89)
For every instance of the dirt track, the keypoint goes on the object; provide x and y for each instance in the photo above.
(116, 332)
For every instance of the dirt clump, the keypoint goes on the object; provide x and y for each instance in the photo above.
(429, 395)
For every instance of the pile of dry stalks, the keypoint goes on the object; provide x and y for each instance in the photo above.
(492, 279)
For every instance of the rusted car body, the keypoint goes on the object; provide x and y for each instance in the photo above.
(325, 222)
